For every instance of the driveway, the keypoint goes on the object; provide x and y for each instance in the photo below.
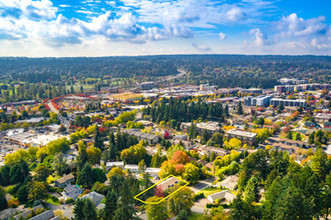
(203, 184)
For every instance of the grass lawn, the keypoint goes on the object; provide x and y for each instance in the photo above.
(52, 202)
(208, 191)
(195, 216)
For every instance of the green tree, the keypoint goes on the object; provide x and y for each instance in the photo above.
(217, 139)
(110, 205)
(193, 132)
(157, 211)
(23, 194)
(240, 109)
(86, 176)
(142, 166)
(181, 200)
(319, 163)
(311, 138)
(3, 200)
(82, 155)
(252, 190)
(37, 191)
(85, 210)
(293, 205)
(98, 142)
(240, 209)
(191, 173)
(59, 164)
(205, 136)
(125, 210)
(42, 172)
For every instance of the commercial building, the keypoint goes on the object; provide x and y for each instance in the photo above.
(322, 117)
(301, 87)
(288, 102)
(261, 100)
(244, 136)
(292, 81)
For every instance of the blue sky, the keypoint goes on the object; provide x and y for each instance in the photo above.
(146, 27)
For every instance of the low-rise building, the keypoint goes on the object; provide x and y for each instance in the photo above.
(95, 197)
(230, 182)
(150, 138)
(119, 164)
(210, 127)
(223, 196)
(65, 180)
(244, 136)
(71, 191)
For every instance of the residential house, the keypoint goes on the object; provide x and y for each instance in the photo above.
(72, 191)
(230, 182)
(47, 215)
(95, 197)
(65, 180)
(223, 196)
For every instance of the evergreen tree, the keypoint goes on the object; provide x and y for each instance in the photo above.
(240, 108)
(86, 176)
(192, 131)
(110, 205)
(252, 190)
(3, 200)
(239, 210)
(98, 142)
(90, 211)
(125, 210)
(319, 163)
(85, 210)
(293, 205)
(226, 111)
(23, 193)
(82, 157)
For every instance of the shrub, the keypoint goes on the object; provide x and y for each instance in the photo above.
(199, 196)
(70, 201)
(13, 203)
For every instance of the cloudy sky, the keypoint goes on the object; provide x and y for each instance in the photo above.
(38, 28)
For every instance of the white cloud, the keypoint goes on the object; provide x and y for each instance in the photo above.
(293, 26)
(260, 38)
(221, 35)
(234, 14)
(201, 48)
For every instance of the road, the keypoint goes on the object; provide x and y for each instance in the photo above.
(168, 78)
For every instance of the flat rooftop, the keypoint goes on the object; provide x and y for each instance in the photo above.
(241, 133)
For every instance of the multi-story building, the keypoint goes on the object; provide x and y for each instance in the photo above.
(293, 81)
(261, 100)
(244, 136)
(210, 127)
(288, 102)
